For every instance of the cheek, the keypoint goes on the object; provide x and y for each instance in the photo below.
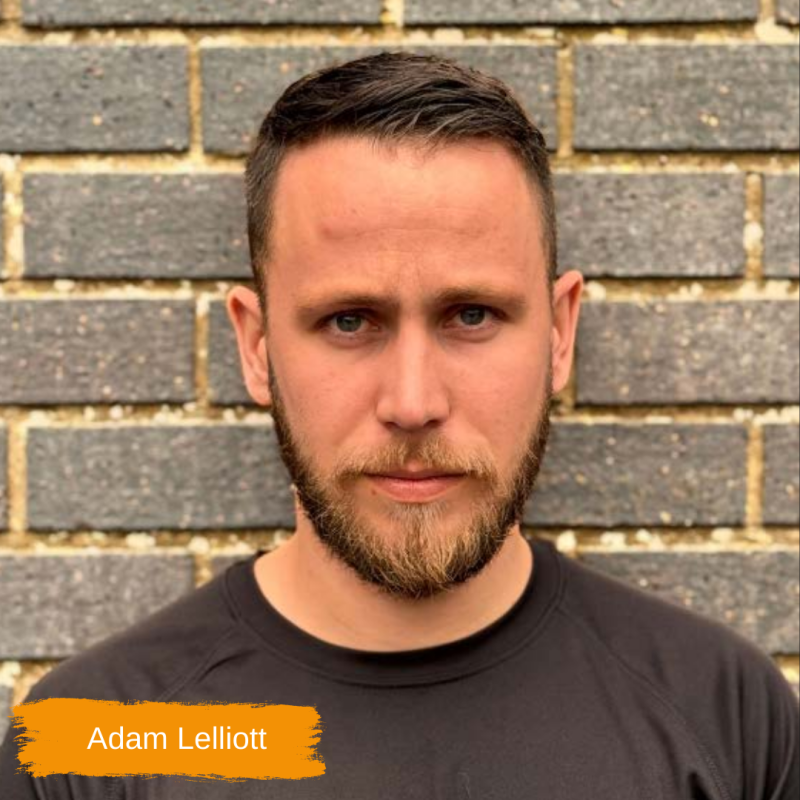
(325, 403)
(504, 394)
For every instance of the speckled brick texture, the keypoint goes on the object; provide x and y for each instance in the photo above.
(135, 226)
(782, 226)
(665, 353)
(3, 477)
(526, 12)
(665, 226)
(638, 474)
(57, 352)
(80, 13)
(2, 246)
(732, 97)
(782, 475)
(81, 99)
(111, 591)
(132, 477)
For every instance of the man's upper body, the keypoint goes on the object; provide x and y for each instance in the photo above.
(585, 688)
(409, 335)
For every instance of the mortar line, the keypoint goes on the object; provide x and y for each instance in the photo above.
(597, 289)
(754, 227)
(201, 355)
(12, 223)
(162, 541)
(789, 663)
(393, 15)
(30, 673)
(17, 486)
(390, 33)
(566, 100)
(112, 417)
(768, 11)
(701, 538)
(755, 477)
(584, 162)
(196, 153)
(12, 14)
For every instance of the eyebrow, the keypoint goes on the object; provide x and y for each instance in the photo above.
(510, 301)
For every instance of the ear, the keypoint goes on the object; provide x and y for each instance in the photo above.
(245, 316)
(566, 309)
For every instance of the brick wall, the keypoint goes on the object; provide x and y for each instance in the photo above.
(133, 464)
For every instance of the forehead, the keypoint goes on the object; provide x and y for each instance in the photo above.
(348, 207)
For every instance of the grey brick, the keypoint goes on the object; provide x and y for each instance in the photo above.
(528, 12)
(2, 245)
(687, 97)
(135, 226)
(782, 475)
(789, 11)
(107, 593)
(56, 13)
(226, 384)
(782, 226)
(240, 85)
(626, 225)
(636, 474)
(4, 468)
(665, 353)
(196, 477)
(5, 710)
(96, 351)
(755, 593)
(93, 98)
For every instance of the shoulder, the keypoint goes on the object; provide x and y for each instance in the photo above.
(727, 693)
(664, 641)
(145, 660)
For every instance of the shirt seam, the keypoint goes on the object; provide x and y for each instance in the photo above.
(547, 614)
(116, 788)
(185, 679)
(696, 740)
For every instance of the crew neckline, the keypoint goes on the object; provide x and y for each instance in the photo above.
(479, 651)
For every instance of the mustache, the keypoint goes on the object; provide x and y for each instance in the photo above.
(431, 454)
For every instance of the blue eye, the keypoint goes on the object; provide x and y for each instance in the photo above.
(473, 316)
(348, 323)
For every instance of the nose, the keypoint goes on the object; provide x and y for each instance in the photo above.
(413, 394)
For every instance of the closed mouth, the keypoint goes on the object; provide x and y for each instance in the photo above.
(419, 475)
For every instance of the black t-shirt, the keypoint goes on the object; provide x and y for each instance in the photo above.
(586, 689)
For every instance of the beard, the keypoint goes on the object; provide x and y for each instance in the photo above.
(427, 553)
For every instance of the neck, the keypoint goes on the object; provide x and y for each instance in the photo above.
(326, 599)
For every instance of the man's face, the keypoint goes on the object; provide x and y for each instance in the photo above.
(409, 330)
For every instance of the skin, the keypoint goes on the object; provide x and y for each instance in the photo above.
(405, 379)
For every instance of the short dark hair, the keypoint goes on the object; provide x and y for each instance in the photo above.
(394, 98)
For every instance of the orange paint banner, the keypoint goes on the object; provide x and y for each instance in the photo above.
(228, 742)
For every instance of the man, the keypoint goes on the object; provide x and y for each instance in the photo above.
(409, 332)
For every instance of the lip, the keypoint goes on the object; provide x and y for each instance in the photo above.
(415, 487)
